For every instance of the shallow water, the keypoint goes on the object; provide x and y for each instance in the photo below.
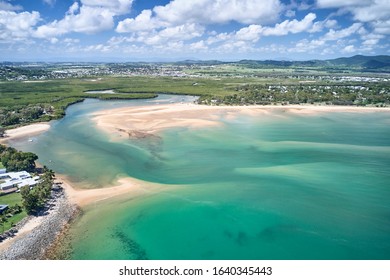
(279, 186)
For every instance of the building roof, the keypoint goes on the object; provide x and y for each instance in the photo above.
(3, 207)
(20, 179)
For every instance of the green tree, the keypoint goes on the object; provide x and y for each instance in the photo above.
(48, 174)
(3, 220)
(33, 199)
(29, 200)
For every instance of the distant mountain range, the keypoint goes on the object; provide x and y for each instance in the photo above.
(361, 62)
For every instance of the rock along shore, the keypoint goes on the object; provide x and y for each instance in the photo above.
(34, 244)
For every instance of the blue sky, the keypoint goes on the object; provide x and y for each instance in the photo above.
(168, 30)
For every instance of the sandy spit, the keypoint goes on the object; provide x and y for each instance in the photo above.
(25, 131)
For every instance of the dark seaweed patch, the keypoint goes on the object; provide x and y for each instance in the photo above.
(242, 238)
(131, 247)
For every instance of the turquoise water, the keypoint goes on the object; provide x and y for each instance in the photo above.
(279, 186)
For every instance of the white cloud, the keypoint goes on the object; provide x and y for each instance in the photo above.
(293, 26)
(54, 40)
(250, 33)
(371, 11)
(304, 46)
(382, 27)
(179, 12)
(374, 13)
(349, 49)
(50, 2)
(171, 34)
(89, 20)
(371, 42)
(290, 13)
(246, 38)
(184, 32)
(73, 9)
(90, 17)
(198, 46)
(17, 26)
(117, 7)
(340, 4)
(100, 48)
(144, 21)
(318, 26)
(216, 38)
(222, 11)
(71, 41)
(331, 23)
(334, 35)
(6, 6)
(378, 10)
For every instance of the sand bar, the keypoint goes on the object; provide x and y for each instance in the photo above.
(148, 120)
(130, 187)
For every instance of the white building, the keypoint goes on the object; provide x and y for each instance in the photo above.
(17, 180)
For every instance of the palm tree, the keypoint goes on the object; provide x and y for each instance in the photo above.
(48, 173)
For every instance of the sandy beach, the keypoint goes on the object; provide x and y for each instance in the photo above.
(139, 122)
(25, 131)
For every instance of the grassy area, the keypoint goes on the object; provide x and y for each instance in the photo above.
(1, 165)
(12, 199)
(12, 221)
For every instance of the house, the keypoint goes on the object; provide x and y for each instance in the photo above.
(3, 208)
(17, 180)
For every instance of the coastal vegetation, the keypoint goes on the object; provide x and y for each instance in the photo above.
(29, 200)
(14, 160)
(23, 103)
(34, 199)
(305, 93)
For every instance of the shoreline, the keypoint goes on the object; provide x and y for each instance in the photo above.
(38, 234)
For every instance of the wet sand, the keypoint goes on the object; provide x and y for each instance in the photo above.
(138, 122)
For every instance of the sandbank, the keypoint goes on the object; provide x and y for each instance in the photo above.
(25, 131)
(139, 122)
(130, 187)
